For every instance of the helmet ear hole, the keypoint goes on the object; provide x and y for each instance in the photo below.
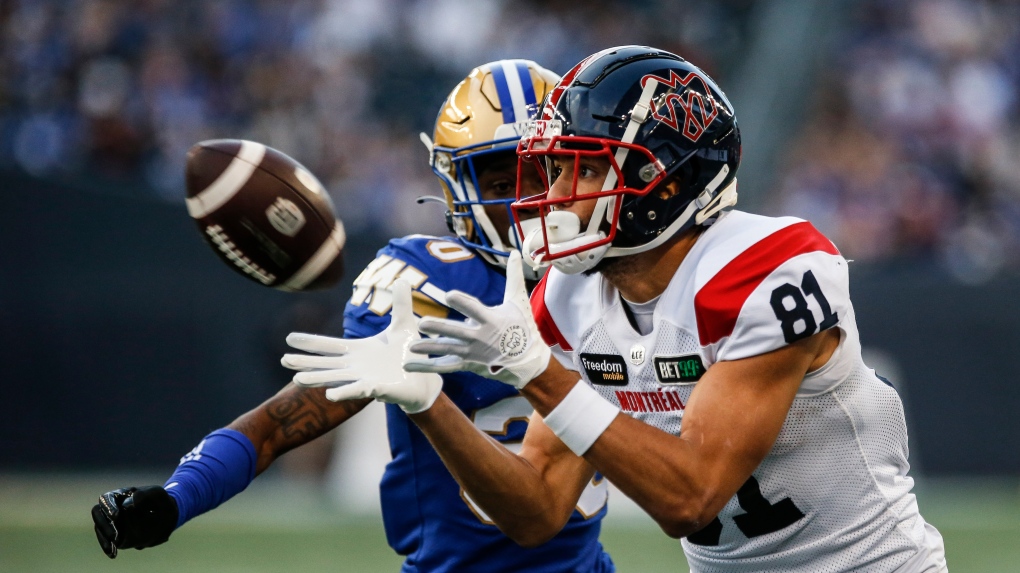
(647, 217)
(678, 182)
(670, 188)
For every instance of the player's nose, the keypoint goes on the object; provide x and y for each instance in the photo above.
(563, 186)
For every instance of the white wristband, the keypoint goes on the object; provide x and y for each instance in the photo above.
(581, 417)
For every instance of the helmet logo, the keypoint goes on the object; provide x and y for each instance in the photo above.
(665, 109)
(543, 129)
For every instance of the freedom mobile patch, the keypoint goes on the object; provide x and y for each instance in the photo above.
(605, 369)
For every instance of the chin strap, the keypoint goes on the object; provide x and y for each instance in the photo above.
(725, 199)
(562, 228)
(570, 264)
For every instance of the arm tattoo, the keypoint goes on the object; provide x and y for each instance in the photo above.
(291, 418)
(304, 414)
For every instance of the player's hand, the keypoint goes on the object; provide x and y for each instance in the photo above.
(368, 367)
(500, 342)
(134, 518)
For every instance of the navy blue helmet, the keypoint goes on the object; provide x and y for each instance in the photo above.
(662, 123)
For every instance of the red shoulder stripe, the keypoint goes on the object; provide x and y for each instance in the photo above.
(550, 332)
(717, 305)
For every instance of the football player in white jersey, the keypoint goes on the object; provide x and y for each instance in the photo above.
(751, 426)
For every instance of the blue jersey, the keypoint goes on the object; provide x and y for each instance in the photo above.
(427, 516)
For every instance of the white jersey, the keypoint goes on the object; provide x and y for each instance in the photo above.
(833, 494)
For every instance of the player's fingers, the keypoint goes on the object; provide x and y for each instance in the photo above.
(402, 315)
(352, 391)
(106, 533)
(106, 545)
(441, 365)
(102, 519)
(326, 378)
(110, 504)
(305, 362)
(467, 305)
(440, 346)
(448, 328)
(514, 278)
(326, 345)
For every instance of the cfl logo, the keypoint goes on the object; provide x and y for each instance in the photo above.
(285, 217)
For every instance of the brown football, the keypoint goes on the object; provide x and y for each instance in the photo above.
(264, 214)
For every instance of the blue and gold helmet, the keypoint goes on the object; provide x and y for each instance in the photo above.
(485, 114)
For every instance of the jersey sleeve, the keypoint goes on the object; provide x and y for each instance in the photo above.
(551, 334)
(786, 287)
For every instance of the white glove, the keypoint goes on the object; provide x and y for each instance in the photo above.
(500, 342)
(367, 367)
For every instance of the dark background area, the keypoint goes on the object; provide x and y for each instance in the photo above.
(124, 338)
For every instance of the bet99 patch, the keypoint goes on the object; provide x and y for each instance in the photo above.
(679, 369)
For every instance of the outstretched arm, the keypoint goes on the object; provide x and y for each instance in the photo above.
(531, 495)
(219, 468)
(293, 417)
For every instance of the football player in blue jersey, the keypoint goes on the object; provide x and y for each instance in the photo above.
(428, 518)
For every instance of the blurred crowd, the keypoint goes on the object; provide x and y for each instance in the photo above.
(117, 91)
(912, 149)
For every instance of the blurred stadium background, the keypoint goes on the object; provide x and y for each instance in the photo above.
(892, 125)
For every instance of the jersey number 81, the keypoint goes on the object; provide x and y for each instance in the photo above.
(791, 317)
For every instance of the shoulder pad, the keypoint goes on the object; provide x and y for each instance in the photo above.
(564, 306)
(786, 286)
(433, 266)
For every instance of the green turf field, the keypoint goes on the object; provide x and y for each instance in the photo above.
(279, 527)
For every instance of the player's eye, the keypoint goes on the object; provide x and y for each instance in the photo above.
(503, 187)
